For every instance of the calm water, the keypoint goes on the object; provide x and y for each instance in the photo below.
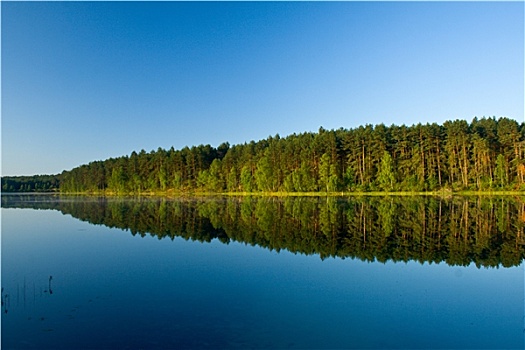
(246, 273)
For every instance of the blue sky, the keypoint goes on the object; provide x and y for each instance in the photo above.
(88, 81)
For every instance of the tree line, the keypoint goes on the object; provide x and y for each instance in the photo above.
(488, 232)
(36, 183)
(486, 154)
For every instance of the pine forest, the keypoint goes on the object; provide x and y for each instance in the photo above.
(487, 154)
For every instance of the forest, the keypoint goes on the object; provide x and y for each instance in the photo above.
(36, 183)
(487, 154)
(489, 232)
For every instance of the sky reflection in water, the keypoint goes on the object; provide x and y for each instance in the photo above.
(112, 289)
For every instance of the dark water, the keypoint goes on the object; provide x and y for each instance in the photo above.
(245, 273)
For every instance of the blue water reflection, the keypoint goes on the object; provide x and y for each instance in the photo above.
(115, 290)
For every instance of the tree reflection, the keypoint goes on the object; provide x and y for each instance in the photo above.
(486, 231)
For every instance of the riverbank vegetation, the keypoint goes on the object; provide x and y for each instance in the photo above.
(487, 154)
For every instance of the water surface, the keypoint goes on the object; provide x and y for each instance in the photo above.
(262, 273)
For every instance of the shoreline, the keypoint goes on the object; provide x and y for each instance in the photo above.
(342, 194)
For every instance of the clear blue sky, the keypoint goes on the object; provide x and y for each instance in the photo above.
(88, 81)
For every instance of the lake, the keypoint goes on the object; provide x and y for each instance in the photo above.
(237, 273)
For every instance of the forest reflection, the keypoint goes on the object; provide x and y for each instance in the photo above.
(458, 231)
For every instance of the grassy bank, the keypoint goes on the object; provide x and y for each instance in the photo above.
(185, 194)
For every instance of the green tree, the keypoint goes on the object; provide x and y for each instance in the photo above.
(232, 182)
(117, 181)
(264, 175)
(247, 179)
(302, 179)
(324, 173)
(386, 177)
(215, 181)
(500, 171)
